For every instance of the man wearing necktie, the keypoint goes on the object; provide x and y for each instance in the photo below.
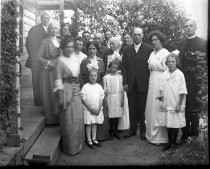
(33, 41)
(135, 80)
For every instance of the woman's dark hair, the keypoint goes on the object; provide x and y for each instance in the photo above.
(65, 41)
(159, 35)
(114, 62)
(79, 38)
(93, 70)
(176, 57)
(94, 43)
(126, 33)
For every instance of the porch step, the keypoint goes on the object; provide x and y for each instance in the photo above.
(33, 123)
(26, 78)
(46, 148)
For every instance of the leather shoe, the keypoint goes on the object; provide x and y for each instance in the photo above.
(91, 146)
(182, 140)
(96, 143)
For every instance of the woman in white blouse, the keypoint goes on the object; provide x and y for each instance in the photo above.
(154, 133)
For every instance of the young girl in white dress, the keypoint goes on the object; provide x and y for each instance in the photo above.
(173, 93)
(92, 97)
(114, 93)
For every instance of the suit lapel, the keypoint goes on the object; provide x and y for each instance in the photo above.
(43, 30)
(133, 51)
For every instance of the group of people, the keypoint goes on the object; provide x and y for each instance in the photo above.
(101, 88)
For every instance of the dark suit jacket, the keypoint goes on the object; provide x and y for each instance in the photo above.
(191, 45)
(135, 66)
(33, 41)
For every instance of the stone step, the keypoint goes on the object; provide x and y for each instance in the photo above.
(46, 148)
(33, 123)
(26, 78)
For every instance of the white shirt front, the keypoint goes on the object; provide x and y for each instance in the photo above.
(45, 28)
(137, 47)
(191, 37)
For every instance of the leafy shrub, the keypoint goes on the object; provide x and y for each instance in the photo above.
(9, 52)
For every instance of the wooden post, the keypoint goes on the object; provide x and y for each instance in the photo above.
(61, 11)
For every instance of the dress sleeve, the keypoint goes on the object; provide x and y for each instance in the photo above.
(101, 93)
(105, 83)
(121, 83)
(163, 63)
(161, 82)
(84, 93)
(124, 66)
(83, 76)
(182, 85)
(58, 77)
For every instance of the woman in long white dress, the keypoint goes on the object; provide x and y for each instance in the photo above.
(154, 133)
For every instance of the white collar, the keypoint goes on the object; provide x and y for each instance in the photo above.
(93, 58)
(171, 75)
(191, 37)
(137, 46)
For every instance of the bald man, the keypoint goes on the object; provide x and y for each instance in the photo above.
(188, 58)
(135, 80)
(33, 41)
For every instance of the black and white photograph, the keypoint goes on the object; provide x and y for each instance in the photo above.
(104, 83)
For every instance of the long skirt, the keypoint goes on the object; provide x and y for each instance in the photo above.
(124, 122)
(154, 133)
(103, 129)
(72, 125)
(48, 100)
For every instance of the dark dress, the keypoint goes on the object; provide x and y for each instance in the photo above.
(49, 52)
(102, 129)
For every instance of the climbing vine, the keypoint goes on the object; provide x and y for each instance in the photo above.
(9, 51)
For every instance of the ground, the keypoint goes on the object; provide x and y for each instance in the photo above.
(132, 151)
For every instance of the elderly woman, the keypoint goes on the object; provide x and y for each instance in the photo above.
(113, 53)
(47, 56)
(154, 133)
(92, 61)
(67, 88)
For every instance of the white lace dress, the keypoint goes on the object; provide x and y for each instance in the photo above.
(154, 133)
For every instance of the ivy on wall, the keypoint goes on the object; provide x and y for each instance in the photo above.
(9, 51)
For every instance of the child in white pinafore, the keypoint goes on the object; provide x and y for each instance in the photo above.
(92, 97)
(173, 93)
(114, 93)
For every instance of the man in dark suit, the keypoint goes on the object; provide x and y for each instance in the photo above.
(33, 41)
(135, 80)
(188, 48)
(86, 35)
(107, 36)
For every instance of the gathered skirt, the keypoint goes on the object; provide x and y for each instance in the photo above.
(48, 100)
(72, 125)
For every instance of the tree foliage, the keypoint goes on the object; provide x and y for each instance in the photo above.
(8, 92)
(121, 15)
